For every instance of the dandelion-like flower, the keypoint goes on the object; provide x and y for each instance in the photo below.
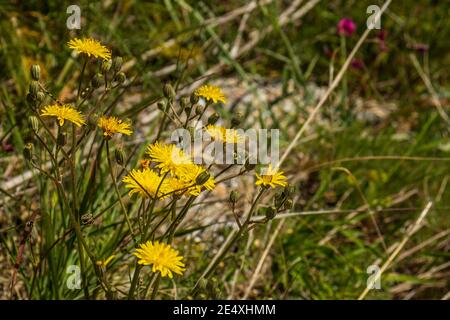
(62, 113)
(211, 93)
(112, 125)
(169, 158)
(90, 47)
(223, 134)
(271, 178)
(144, 182)
(162, 257)
(189, 174)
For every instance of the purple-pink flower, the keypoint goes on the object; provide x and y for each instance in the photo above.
(346, 27)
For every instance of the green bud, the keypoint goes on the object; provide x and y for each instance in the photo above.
(213, 118)
(97, 80)
(61, 139)
(194, 98)
(119, 155)
(199, 110)
(28, 151)
(168, 91)
(34, 123)
(234, 195)
(30, 98)
(270, 213)
(188, 110)
(279, 199)
(121, 77)
(106, 66)
(40, 96)
(237, 119)
(34, 88)
(35, 72)
(117, 64)
(184, 102)
(288, 204)
(202, 178)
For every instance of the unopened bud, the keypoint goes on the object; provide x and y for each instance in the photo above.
(213, 118)
(234, 195)
(34, 123)
(288, 204)
(168, 91)
(61, 139)
(119, 155)
(184, 102)
(161, 105)
(28, 151)
(117, 64)
(35, 72)
(97, 80)
(40, 96)
(34, 88)
(237, 119)
(202, 178)
(199, 110)
(106, 66)
(194, 98)
(121, 77)
(270, 213)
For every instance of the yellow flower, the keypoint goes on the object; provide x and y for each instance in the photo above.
(189, 174)
(112, 125)
(168, 156)
(211, 93)
(90, 47)
(220, 133)
(271, 178)
(63, 113)
(145, 163)
(104, 263)
(144, 182)
(162, 257)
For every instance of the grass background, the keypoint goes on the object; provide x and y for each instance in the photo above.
(380, 109)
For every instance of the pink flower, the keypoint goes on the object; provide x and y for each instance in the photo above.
(346, 27)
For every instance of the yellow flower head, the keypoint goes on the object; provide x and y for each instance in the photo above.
(189, 174)
(112, 125)
(144, 182)
(90, 47)
(63, 113)
(271, 178)
(162, 257)
(211, 93)
(225, 135)
(168, 156)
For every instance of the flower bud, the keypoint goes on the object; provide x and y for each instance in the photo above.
(40, 96)
(35, 72)
(234, 195)
(34, 88)
(202, 178)
(184, 102)
(30, 98)
(213, 118)
(28, 151)
(34, 123)
(61, 139)
(97, 80)
(288, 204)
(168, 91)
(194, 98)
(199, 110)
(270, 213)
(161, 105)
(121, 77)
(119, 155)
(106, 66)
(87, 219)
(237, 119)
(117, 64)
